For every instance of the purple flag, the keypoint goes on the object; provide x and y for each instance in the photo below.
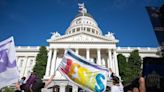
(8, 70)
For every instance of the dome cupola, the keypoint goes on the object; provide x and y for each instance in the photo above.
(83, 21)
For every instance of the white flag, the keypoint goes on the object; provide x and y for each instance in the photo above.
(8, 70)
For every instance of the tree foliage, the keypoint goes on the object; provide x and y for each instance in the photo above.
(130, 69)
(123, 67)
(8, 89)
(134, 61)
(41, 62)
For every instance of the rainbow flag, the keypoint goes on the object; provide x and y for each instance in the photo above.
(83, 73)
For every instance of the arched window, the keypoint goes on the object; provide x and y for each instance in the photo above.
(68, 88)
(56, 88)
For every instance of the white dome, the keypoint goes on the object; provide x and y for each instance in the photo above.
(84, 22)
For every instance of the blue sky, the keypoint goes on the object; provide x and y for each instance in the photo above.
(32, 21)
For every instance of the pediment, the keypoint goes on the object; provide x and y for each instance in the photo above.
(81, 37)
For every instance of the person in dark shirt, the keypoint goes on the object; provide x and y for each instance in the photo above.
(35, 84)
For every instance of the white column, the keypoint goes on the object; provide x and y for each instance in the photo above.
(48, 63)
(20, 66)
(74, 88)
(88, 54)
(113, 61)
(116, 63)
(17, 59)
(110, 65)
(62, 88)
(53, 62)
(76, 51)
(25, 65)
(47, 90)
(98, 57)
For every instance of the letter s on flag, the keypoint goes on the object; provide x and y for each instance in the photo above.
(100, 83)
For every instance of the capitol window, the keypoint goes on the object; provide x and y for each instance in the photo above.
(21, 63)
(28, 72)
(84, 28)
(93, 31)
(73, 30)
(78, 29)
(96, 32)
(88, 29)
(31, 62)
(95, 60)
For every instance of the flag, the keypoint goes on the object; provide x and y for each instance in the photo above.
(8, 70)
(157, 23)
(83, 73)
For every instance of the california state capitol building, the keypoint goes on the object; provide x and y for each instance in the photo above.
(85, 38)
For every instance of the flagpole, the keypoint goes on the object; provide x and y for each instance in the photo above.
(83, 19)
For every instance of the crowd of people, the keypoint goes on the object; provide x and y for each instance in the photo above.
(35, 84)
(118, 87)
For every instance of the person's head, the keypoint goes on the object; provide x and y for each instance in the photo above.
(115, 80)
(129, 91)
(135, 89)
(23, 78)
(30, 81)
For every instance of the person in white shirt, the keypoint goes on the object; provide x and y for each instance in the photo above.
(117, 86)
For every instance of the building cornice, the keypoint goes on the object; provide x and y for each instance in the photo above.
(118, 49)
(82, 32)
(140, 49)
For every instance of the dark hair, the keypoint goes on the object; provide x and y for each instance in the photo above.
(115, 79)
(23, 78)
(29, 83)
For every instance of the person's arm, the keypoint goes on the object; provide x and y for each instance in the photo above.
(49, 81)
(142, 87)
(17, 85)
(110, 73)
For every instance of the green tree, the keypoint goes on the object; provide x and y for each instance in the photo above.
(134, 63)
(131, 69)
(8, 89)
(41, 62)
(123, 68)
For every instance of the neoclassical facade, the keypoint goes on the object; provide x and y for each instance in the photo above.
(85, 38)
